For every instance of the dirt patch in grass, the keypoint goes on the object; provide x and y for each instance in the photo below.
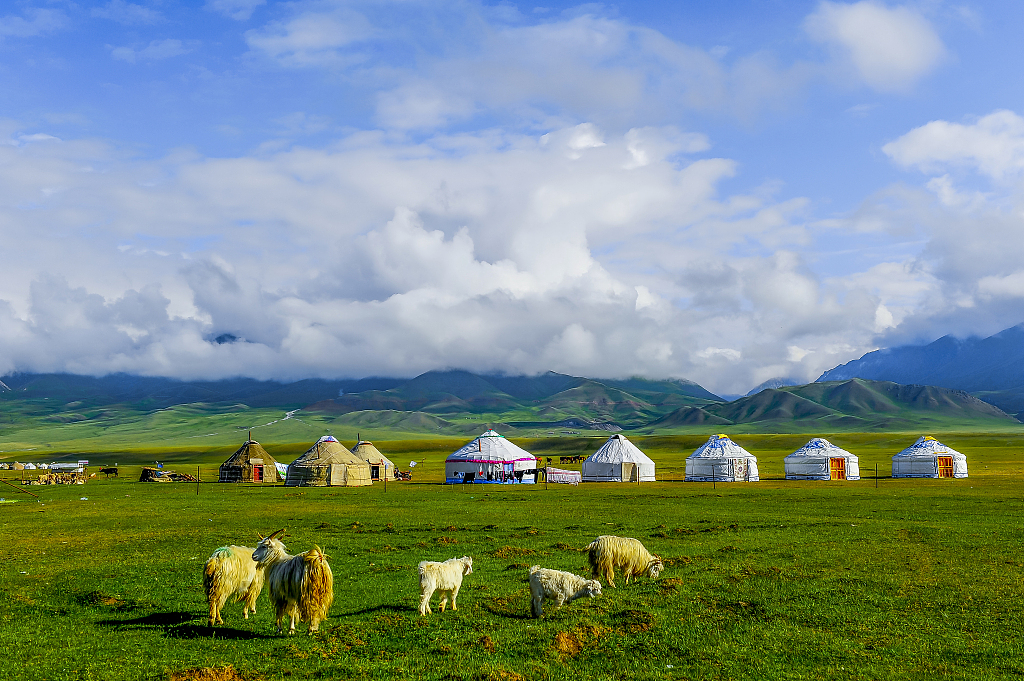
(225, 673)
(487, 643)
(446, 541)
(670, 585)
(100, 599)
(499, 674)
(512, 552)
(516, 566)
(635, 621)
(562, 546)
(571, 643)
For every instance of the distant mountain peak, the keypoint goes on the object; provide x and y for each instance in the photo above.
(773, 384)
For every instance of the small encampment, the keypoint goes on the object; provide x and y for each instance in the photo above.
(328, 464)
(929, 458)
(491, 459)
(159, 475)
(721, 460)
(380, 465)
(819, 459)
(249, 463)
(618, 460)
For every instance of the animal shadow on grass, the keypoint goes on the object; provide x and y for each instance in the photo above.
(387, 607)
(503, 610)
(178, 624)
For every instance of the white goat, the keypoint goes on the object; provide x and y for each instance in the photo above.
(608, 552)
(301, 586)
(445, 577)
(231, 571)
(561, 587)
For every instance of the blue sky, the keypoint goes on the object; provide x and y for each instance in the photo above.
(725, 192)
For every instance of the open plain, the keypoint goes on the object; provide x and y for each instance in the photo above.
(909, 579)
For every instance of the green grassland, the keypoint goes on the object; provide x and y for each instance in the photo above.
(912, 579)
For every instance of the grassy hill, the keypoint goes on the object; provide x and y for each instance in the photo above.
(51, 414)
(854, 405)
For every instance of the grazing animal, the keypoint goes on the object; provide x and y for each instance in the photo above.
(109, 471)
(301, 586)
(608, 552)
(561, 587)
(231, 571)
(445, 577)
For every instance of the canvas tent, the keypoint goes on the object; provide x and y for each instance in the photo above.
(819, 459)
(380, 465)
(618, 460)
(328, 464)
(929, 458)
(722, 460)
(249, 463)
(491, 459)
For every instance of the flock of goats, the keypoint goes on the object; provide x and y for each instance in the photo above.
(301, 587)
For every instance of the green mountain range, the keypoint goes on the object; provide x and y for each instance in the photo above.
(55, 413)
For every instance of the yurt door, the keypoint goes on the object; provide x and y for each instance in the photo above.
(628, 472)
(837, 468)
(945, 465)
(375, 472)
(257, 473)
(739, 469)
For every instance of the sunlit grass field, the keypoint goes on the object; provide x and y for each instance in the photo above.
(912, 579)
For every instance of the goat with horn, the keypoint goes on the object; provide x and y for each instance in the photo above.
(301, 587)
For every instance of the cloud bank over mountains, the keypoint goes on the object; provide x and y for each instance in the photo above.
(519, 194)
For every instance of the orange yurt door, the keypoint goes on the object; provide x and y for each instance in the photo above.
(257, 473)
(837, 468)
(945, 466)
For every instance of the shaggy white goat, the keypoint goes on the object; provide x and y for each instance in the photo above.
(231, 571)
(445, 577)
(561, 587)
(608, 552)
(301, 586)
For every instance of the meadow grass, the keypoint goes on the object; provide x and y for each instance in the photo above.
(914, 579)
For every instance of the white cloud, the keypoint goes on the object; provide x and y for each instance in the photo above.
(157, 49)
(889, 48)
(239, 10)
(313, 38)
(127, 13)
(993, 146)
(35, 22)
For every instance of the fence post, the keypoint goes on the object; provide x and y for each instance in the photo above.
(197, 481)
(876, 476)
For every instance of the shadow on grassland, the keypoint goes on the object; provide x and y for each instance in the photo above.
(381, 608)
(178, 624)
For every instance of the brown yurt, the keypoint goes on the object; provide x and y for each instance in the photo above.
(249, 463)
(328, 464)
(380, 465)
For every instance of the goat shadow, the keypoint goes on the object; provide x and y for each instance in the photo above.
(179, 624)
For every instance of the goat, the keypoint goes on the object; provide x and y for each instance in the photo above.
(608, 552)
(231, 571)
(561, 587)
(301, 586)
(445, 577)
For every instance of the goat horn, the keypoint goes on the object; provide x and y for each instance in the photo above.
(276, 533)
(260, 536)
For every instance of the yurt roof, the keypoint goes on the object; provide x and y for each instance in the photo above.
(720, 447)
(250, 449)
(365, 450)
(819, 448)
(326, 450)
(928, 446)
(490, 448)
(618, 449)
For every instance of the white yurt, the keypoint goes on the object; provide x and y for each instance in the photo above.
(929, 458)
(491, 459)
(380, 465)
(618, 460)
(722, 460)
(819, 459)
